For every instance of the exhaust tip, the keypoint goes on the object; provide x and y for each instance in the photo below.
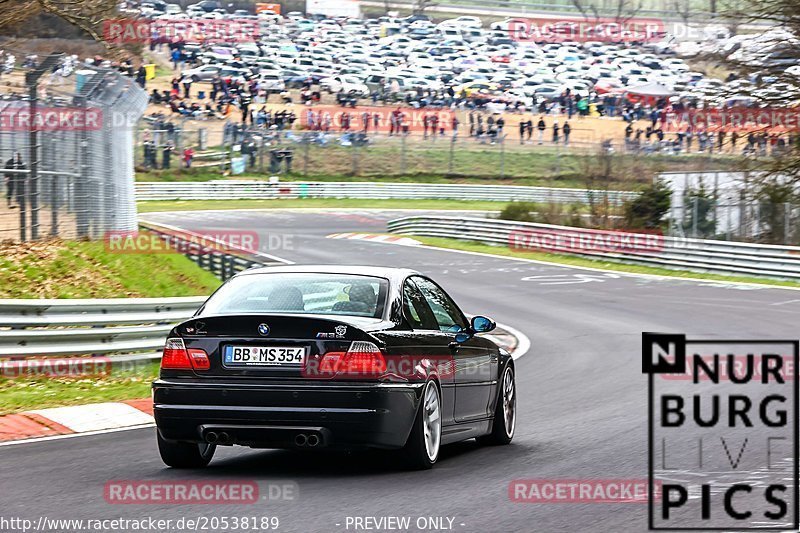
(224, 438)
(301, 439)
(212, 437)
(313, 440)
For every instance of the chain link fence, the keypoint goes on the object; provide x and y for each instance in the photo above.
(161, 142)
(66, 147)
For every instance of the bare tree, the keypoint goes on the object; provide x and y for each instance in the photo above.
(87, 15)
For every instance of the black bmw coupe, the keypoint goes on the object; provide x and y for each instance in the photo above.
(336, 357)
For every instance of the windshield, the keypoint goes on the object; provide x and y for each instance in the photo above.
(301, 293)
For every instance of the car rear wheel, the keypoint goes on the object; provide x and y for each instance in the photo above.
(185, 454)
(422, 448)
(505, 413)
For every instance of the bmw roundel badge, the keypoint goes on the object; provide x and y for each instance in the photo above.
(263, 329)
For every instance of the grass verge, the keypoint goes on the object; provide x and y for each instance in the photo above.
(471, 246)
(356, 203)
(39, 392)
(80, 269)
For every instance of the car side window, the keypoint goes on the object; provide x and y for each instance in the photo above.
(416, 309)
(445, 311)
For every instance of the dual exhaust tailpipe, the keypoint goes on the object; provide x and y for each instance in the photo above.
(212, 437)
(302, 440)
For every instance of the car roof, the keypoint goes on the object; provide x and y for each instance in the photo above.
(395, 275)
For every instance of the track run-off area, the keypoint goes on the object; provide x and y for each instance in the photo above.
(581, 411)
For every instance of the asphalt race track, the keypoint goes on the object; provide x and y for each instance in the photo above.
(581, 406)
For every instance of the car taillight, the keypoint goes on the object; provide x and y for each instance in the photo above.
(199, 359)
(177, 357)
(363, 359)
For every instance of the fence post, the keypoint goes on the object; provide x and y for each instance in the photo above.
(306, 149)
(54, 205)
(402, 154)
(695, 213)
(786, 222)
(503, 156)
(452, 154)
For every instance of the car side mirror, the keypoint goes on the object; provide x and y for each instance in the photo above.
(482, 324)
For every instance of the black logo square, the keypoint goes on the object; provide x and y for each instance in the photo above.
(663, 353)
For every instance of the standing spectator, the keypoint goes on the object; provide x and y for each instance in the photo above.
(434, 123)
(188, 155)
(567, 130)
(555, 131)
(501, 122)
(541, 127)
(471, 124)
(454, 124)
(187, 87)
(522, 127)
(141, 76)
(425, 120)
(166, 154)
(19, 180)
(11, 181)
(176, 58)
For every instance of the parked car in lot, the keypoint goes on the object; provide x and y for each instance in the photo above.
(331, 357)
(202, 73)
(271, 81)
(347, 84)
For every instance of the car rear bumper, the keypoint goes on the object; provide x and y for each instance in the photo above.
(339, 415)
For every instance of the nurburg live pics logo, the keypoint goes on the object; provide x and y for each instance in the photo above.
(722, 433)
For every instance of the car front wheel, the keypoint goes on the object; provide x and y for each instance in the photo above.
(505, 413)
(185, 454)
(422, 448)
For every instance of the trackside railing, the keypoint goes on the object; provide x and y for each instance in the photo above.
(697, 255)
(222, 259)
(244, 190)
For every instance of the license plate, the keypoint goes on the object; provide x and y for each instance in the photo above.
(263, 355)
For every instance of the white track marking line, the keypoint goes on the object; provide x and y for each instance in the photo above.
(73, 435)
(618, 272)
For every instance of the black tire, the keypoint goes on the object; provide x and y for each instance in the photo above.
(501, 433)
(179, 454)
(415, 453)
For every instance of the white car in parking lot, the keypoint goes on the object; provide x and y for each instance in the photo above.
(346, 84)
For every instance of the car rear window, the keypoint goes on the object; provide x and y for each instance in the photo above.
(301, 293)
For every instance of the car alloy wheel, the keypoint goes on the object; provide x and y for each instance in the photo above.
(432, 421)
(509, 402)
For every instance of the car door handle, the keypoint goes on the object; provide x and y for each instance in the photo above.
(454, 346)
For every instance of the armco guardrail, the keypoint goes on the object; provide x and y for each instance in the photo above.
(718, 257)
(89, 327)
(47, 328)
(220, 258)
(230, 190)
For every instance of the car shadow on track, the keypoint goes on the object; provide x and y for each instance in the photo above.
(338, 464)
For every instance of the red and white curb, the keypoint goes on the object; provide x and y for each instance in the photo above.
(90, 418)
(376, 237)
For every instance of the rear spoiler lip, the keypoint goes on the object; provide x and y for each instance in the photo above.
(350, 320)
(368, 330)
